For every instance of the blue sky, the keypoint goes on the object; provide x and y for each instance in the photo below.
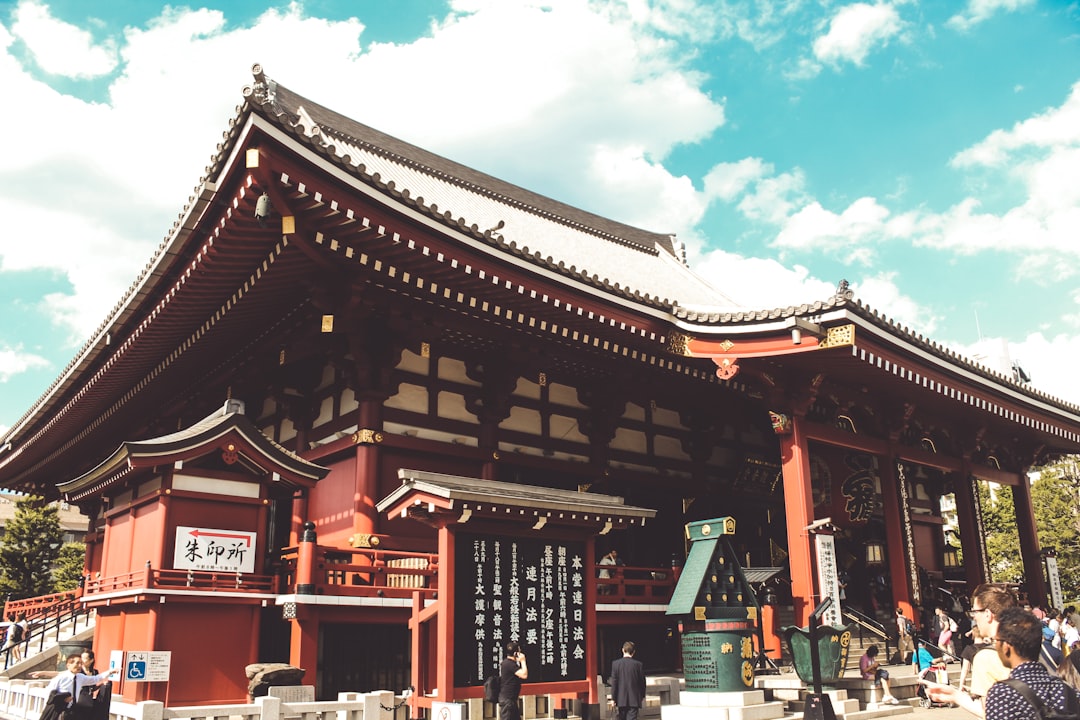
(927, 152)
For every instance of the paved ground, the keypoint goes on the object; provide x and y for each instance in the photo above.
(940, 714)
(934, 713)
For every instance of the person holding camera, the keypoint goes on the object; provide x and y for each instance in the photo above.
(512, 671)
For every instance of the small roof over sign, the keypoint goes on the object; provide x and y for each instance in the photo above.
(426, 494)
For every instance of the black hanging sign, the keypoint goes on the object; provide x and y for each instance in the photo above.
(529, 590)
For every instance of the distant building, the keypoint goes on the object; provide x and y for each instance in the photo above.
(72, 521)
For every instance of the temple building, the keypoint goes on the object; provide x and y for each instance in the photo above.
(338, 314)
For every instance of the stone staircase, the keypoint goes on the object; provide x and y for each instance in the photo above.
(46, 653)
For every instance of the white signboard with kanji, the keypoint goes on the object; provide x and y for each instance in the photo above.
(1056, 597)
(214, 550)
(828, 577)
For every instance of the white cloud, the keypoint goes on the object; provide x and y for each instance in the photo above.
(1049, 361)
(759, 283)
(15, 361)
(979, 10)
(60, 48)
(855, 30)
(774, 199)
(1053, 129)
(608, 96)
(727, 181)
(883, 294)
(814, 226)
(1039, 157)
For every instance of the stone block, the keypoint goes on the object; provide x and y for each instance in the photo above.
(722, 699)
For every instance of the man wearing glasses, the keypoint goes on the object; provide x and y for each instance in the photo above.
(1018, 640)
(987, 603)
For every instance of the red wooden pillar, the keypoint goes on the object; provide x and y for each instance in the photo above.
(896, 553)
(444, 634)
(366, 493)
(299, 513)
(799, 505)
(1029, 541)
(969, 518)
(304, 641)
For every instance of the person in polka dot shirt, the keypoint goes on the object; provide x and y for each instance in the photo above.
(1018, 640)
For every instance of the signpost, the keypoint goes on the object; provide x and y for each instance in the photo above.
(147, 665)
(525, 589)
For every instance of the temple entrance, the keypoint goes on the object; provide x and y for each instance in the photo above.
(362, 658)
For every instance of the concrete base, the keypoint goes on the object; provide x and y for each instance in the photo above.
(749, 705)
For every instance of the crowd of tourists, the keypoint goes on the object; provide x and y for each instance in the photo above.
(1023, 662)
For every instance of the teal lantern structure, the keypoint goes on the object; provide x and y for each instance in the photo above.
(717, 611)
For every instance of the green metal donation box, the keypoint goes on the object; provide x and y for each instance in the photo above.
(718, 612)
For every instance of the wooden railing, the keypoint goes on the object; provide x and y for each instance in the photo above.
(35, 607)
(357, 572)
(648, 585)
(198, 580)
(47, 617)
(365, 572)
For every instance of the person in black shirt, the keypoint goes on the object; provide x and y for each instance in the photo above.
(512, 671)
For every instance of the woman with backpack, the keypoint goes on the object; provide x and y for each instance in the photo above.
(945, 637)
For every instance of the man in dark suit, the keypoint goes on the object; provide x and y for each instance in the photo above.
(627, 683)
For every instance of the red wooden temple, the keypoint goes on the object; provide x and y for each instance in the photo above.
(334, 305)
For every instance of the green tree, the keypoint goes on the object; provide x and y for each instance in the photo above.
(1055, 497)
(31, 545)
(69, 566)
(1002, 538)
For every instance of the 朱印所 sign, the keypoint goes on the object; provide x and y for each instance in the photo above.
(214, 549)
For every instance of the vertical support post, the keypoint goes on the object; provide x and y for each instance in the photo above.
(799, 504)
(305, 560)
(366, 486)
(444, 673)
(1029, 541)
(895, 542)
(969, 518)
(304, 640)
(299, 512)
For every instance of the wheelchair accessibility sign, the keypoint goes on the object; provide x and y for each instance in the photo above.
(147, 666)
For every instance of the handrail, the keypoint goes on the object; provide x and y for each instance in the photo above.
(195, 580)
(627, 584)
(364, 571)
(47, 622)
(34, 606)
(867, 622)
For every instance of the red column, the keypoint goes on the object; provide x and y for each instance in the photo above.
(972, 538)
(444, 674)
(304, 641)
(299, 512)
(305, 560)
(895, 541)
(799, 505)
(366, 493)
(1029, 541)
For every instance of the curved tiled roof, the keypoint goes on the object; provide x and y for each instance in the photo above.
(635, 264)
(844, 299)
(197, 438)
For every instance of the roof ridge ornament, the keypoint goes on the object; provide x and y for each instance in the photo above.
(265, 89)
